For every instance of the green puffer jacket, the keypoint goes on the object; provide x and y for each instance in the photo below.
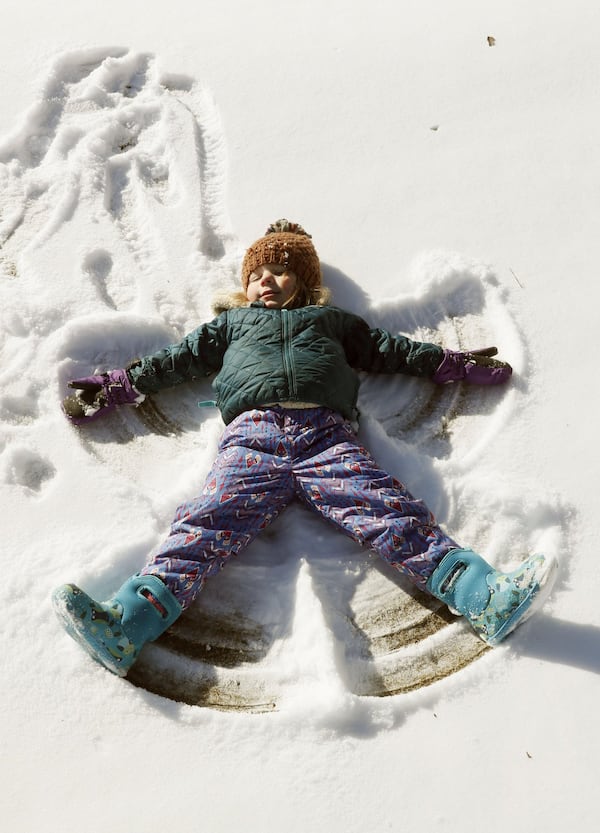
(265, 355)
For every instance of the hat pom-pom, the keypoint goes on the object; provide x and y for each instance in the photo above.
(285, 225)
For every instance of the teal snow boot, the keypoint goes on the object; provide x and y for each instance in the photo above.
(113, 632)
(493, 603)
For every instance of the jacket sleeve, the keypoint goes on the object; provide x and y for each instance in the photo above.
(378, 351)
(199, 354)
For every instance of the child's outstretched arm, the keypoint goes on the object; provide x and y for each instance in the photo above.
(199, 354)
(377, 350)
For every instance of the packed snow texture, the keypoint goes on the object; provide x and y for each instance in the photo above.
(114, 237)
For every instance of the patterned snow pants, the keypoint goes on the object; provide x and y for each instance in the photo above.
(267, 457)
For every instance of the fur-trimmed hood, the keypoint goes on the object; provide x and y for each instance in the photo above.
(236, 299)
(223, 301)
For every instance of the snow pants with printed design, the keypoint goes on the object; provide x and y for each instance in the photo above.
(267, 457)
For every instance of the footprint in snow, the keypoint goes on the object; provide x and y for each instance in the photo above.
(23, 467)
(124, 157)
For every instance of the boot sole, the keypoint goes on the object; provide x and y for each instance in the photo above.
(529, 606)
(77, 630)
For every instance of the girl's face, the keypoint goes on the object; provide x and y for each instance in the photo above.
(272, 284)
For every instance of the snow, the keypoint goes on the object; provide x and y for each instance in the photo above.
(450, 190)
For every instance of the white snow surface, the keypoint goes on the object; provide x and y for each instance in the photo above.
(451, 189)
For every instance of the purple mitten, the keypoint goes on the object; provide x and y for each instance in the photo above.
(476, 367)
(97, 395)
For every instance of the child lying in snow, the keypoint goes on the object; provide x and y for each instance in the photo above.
(287, 388)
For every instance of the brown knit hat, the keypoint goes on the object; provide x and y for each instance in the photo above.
(288, 245)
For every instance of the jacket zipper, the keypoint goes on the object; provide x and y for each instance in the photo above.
(288, 361)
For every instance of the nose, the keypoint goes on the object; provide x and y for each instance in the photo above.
(266, 276)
